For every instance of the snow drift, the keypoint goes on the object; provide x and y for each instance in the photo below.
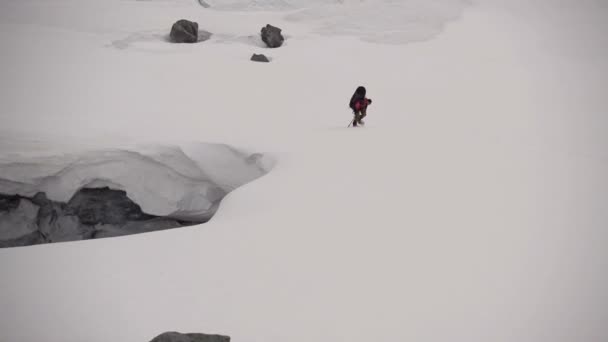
(163, 180)
(409, 20)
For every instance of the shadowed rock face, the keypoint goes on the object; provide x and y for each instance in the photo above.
(102, 193)
(8, 203)
(91, 213)
(105, 206)
(184, 31)
(191, 337)
(272, 36)
(17, 218)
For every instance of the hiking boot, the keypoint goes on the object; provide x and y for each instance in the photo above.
(361, 122)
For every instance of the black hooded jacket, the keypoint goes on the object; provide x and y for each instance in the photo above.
(359, 95)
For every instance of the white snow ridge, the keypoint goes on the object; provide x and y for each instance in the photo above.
(162, 180)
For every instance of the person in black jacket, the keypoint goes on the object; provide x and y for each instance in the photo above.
(359, 103)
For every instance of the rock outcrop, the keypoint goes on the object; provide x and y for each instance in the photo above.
(105, 206)
(92, 213)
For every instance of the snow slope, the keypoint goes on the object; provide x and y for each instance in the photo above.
(472, 207)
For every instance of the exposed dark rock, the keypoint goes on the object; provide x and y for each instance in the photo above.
(259, 58)
(65, 228)
(105, 206)
(184, 31)
(33, 238)
(40, 199)
(48, 210)
(56, 223)
(91, 213)
(20, 220)
(272, 36)
(8, 202)
(192, 337)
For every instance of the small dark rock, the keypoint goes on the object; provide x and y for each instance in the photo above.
(272, 36)
(192, 337)
(184, 31)
(259, 58)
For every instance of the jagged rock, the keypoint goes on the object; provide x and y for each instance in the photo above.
(105, 206)
(90, 214)
(49, 211)
(259, 58)
(33, 238)
(66, 228)
(56, 225)
(192, 337)
(8, 202)
(272, 36)
(184, 31)
(19, 219)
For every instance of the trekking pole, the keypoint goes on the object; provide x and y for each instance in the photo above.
(351, 122)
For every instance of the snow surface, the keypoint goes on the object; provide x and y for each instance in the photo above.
(472, 207)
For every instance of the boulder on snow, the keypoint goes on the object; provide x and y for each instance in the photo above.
(184, 31)
(173, 336)
(272, 36)
(259, 58)
(105, 206)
